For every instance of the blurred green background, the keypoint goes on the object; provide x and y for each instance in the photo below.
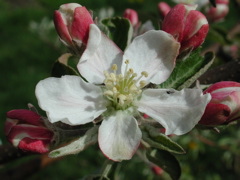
(29, 46)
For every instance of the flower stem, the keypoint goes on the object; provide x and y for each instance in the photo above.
(106, 168)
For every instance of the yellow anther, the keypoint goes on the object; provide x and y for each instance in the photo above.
(142, 83)
(123, 89)
(114, 67)
(120, 77)
(114, 90)
(112, 77)
(122, 99)
(130, 71)
(106, 74)
(145, 74)
(108, 93)
(133, 88)
(121, 96)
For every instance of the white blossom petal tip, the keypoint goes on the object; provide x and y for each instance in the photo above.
(177, 111)
(70, 99)
(101, 53)
(119, 136)
(154, 52)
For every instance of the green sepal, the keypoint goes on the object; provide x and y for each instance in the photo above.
(61, 67)
(78, 145)
(188, 70)
(158, 140)
(119, 30)
(166, 161)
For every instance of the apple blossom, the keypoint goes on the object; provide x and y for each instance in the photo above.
(72, 24)
(116, 91)
(187, 25)
(25, 129)
(218, 13)
(225, 104)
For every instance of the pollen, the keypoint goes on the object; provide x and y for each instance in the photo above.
(123, 89)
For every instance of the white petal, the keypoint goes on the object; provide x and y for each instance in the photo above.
(119, 136)
(154, 52)
(101, 53)
(69, 99)
(177, 111)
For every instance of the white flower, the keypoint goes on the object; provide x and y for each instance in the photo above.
(115, 90)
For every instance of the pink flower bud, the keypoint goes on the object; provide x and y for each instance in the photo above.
(72, 24)
(187, 25)
(25, 129)
(218, 13)
(132, 16)
(157, 170)
(163, 8)
(224, 106)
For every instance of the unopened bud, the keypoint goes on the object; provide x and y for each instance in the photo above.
(187, 25)
(224, 106)
(26, 130)
(218, 13)
(72, 23)
(132, 16)
(163, 9)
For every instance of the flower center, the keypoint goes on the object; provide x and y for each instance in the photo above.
(123, 89)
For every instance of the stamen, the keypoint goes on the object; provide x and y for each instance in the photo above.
(142, 83)
(106, 74)
(108, 93)
(130, 71)
(121, 98)
(126, 68)
(145, 74)
(123, 89)
(114, 67)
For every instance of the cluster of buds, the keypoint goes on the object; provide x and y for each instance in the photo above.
(187, 25)
(25, 129)
(72, 23)
(224, 106)
(218, 13)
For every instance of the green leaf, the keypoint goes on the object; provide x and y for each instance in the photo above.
(188, 70)
(119, 30)
(166, 161)
(219, 35)
(61, 67)
(158, 140)
(78, 145)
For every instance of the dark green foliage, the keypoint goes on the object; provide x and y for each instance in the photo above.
(166, 161)
(119, 30)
